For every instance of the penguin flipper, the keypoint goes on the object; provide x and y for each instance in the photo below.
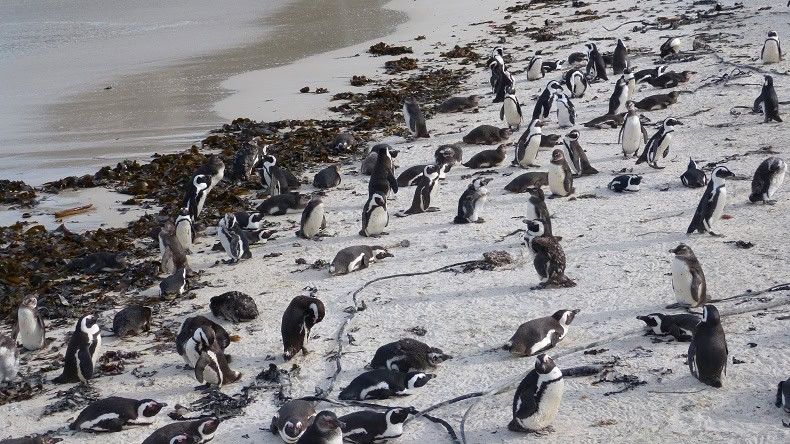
(393, 182)
(502, 112)
(15, 331)
(757, 102)
(200, 367)
(779, 394)
(691, 362)
(85, 363)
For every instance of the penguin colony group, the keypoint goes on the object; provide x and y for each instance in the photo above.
(399, 368)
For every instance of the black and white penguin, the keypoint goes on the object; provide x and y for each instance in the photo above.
(104, 261)
(9, 359)
(82, 352)
(625, 182)
(504, 85)
(343, 142)
(596, 68)
(383, 180)
(425, 192)
(196, 334)
(450, 154)
(195, 194)
(693, 177)
(355, 258)
(249, 221)
(658, 101)
(772, 49)
(29, 329)
(535, 67)
(783, 395)
(711, 205)
(707, 355)
(619, 97)
(620, 58)
(566, 112)
(553, 65)
(576, 82)
(212, 367)
(459, 104)
(383, 384)
(375, 216)
(298, 319)
(548, 256)
(111, 414)
(644, 74)
(546, 100)
(560, 176)
(325, 429)
(487, 135)
(536, 209)
(233, 239)
(541, 334)
(313, 219)
(688, 279)
(670, 79)
(329, 177)
(670, 46)
(537, 398)
(283, 203)
(576, 156)
(292, 419)
(174, 285)
(411, 175)
(606, 121)
(767, 179)
(185, 232)
(768, 101)
(524, 182)
(197, 431)
(471, 203)
(214, 169)
(415, 121)
(367, 427)
(630, 81)
(272, 179)
(488, 158)
(511, 112)
(131, 321)
(408, 355)
(234, 306)
(680, 326)
(32, 439)
(658, 145)
(528, 145)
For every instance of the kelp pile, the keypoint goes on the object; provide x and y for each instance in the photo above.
(382, 49)
(14, 192)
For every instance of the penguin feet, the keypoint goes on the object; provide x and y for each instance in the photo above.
(230, 261)
(305, 351)
(769, 202)
(431, 210)
(715, 234)
(480, 220)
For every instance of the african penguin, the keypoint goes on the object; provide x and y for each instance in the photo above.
(487, 135)
(355, 258)
(329, 177)
(536, 208)
(767, 180)
(566, 112)
(425, 192)
(576, 82)
(82, 352)
(195, 194)
(343, 142)
(282, 203)
(546, 100)
(313, 219)
(29, 329)
(198, 431)
(670, 79)
(783, 395)
(234, 306)
(632, 133)
(367, 427)
(249, 221)
(111, 414)
(528, 145)
(9, 359)
(606, 121)
(383, 180)
(524, 182)
(644, 74)
(488, 158)
(32, 439)
(680, 326)
(688, 279)
(247, 158)
(552, 65)
(325, 429)
(407, 355)
(415, 121)
(625, 182)
(101, 261)
(541, 334)
(383, 384)
(196, 334)
(212, 367)
(504, 84)
(172, 254)
(535, 67)
(772, 49)
(458, 104)
(693, 177)
(548, 256)
(375, 217)
(658, 145)
(511, 112)
(471, 202)
(576, 156)
(174, 285)
(768, 101)
(596, 68)
(298, 319)
(620, 58)
(619, 97)
(537, 399)
(630, 81)
(711, 205)
(131, 321)
(560, 176)
(233, 239)
(707, 354)
(657, 101)
(292, 419)
(670, 46)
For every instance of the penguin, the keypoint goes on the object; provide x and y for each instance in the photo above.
(343, 142)
(355, 258)
(693, 177)
(415, 121)
(101, 261)
(408, 355)
(670, 46)
(81, 354)
(496, 72)
(249, 221)
(9, 359)
(382, 181)
(247, 158)
(185, 232)
(536, 209)
(658, 145)
(596, 68)
(383, 384)
(212, 367)
(670, 79)
(549, 141)
(658, 101)
(783, 395)
(313, 219)
(488, 158)
(292, 419)
(368, 163)
(535, 67)
(367, 427)
(560, 176)
(619, 97)
(33, 439)
(427, 187)
(576, 155)
(645, 74)
(197, 431)
(196, 334)
(329, 177)
(298, 319)
(233, 239)
(767, 180)
(234, 306)
(680, 326)
(459, 104)
(195, 194)
(552, 65)
(548, 256)
(325, 429)
(526, 181)
(504, 85)
(375, 217)
(541, 334)
(511, 112)
(111, 414)
(487, 135)
(707, 355)
(688, 280)
(471, 202)
(630, 81)
(620, 58)
(537, 398)
(768, 101)
(566, 112)
(772, 49)
(546, 100)
(172, 253)
(283, 203)
(606, 121)
(411, 175)
(498, 54)
(450, 154)
(215, 170)
(711, 205)
(131, 321)
(29, 329)
(273, 178)
(625, 182)
(576, 82)
(528, 145)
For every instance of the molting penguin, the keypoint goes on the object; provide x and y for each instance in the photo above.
(625, 182)
(313, 219)
(298, 319)
(325, 429)
(383, 384)
(596, 68)
(131, 321)
(566, 112)
(471, 202)
(528, 145)
(212, 367)
(535, 67)
(548, 256)
(367, 427)
(329, 177)
(487, 135)
(538, 335)
(234, 306)
(711, 205)
(425, 192)
(247, 158)
(693, 177)
(658, 145)
(383, 178)
(375, 217)
(537, 398)
(619, 97)
(111, 414)
(688, 280)
(524, 182)
(536, 209)
(658, 101)
(488, 158)
(29, 329)
(282, 203)
(185, 232)
(707, 355)
(415, 121)
(173, 255)
(81, 354)
(195, 194)
(511, 112)
(772, 49)
(233, 239)
(546, 100)
(292, 419)
(459, 104)
(343, 142)
(198, 431)
(9, 359)
(768, 101)
(680, 326)
(767, 180)
(670, 46)
(576, 156)
(576, 82)
(174, 285)
(408, 355)
(101, 261)
(356, 258)
(560, 176)
(196, 334)
(620, 58)
(451, 154)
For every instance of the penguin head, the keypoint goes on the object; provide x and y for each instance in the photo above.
(215, 161)
(474, 99)
(710, 314)
(504, 134)
(669, 122)
(498, 51)
(30, 302)
(204, 336)
(377, 200)
(431, 171)
(591, 47)
(148, 408)
(168, 228)
(544, 364)
(772, 34)
(634, 179)
(396, 416)
(682, 250)
(208, 427)
(652, 320)
(557, 156)
(437, 356)
(87, 324)
(230, 220)
(409, 100)
(769, 81)
(620, 43)
(269, 161)
(316, 313)
(201, 181)
(535, 228)
(561, 98)
(302, 199)
(722, 172)
(381, 252)
(417, 379)
(183, 212)
(554, 86)
(628, 74)
(573, 135)
(565, 317)
(687, 75)
(692, 165)
(480, 182)
(537, 193)
(293, 428)
(536, 123)
(327, 422)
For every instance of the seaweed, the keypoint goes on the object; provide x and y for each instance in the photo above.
(381, 49)
(400, 65)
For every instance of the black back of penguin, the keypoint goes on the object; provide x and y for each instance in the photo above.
(382, 180)
(408, 354)
(708, 353)
(366, 427)
(382, 384)
(111, 414)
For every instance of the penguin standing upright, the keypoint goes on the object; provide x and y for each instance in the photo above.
(768, 101)
(383, 180)
(619, 97)
(688, 280)
(548, 256)
(711, 205)
(185, 232)
(273, 178)
(670, 46)
(233, 239)
(528, 145)
(632, 133)
(511, 112)
(767, 179)
(415, 121)
(541, 334)
(9, 359)
(576, 156)
(174, 285)
(658, 145)
(783, 395)
(214, 169)
(537, 398)
(470, 205)
(427, 183)
(504, 85)
(29, 329)
(292, 419)
(707, 355)
(535, 67)
(596, 68)
(313, 219)
(772, 49)
(560, 176)
(375, 217)
(82, 352)
(195, 194)
(566, 112)
(693, 177)
(546, 100)
(298, 319)
(325, 429)
(620, 58)
(576, 82)
(111, 414)
(536, 208)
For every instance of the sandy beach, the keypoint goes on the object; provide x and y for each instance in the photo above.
(616, 247)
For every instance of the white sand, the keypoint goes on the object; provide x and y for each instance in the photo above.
(616, 245)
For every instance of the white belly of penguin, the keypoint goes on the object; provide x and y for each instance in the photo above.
(531, 151)
(771, 52)
(569, 158)
(356, 263)
(532, 212)
(542, 344)
(662, 147)
(563, 116)
(681, 282)
(393, 431)
(377, 221)
(407, 117)
(212, 375)
(632, 135)
(313, 223)
(547, 408)
(719, 209)
(511, 114)
(184, 235)
(29, 336)
(578, 86)
(557, 180)
(622, 99)
(477, 208)
(631, 88)
(92, 423)
(534, 72)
